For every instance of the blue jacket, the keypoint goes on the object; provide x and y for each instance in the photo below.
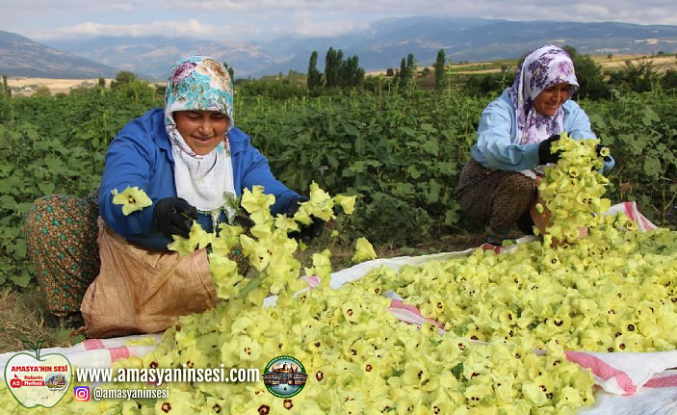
(141, 155)
(496, 146)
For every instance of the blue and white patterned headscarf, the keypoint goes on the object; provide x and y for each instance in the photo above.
(200, 83)
(541, 69)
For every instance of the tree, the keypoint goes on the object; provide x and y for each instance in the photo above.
(440, 69)
(640, 77)
(42, 91)
(408, 69)
(330, 67)
(403, 71)
(339, 67)
(123, 78)
(610, 56)
(351, 69)
(589, 74)
(359, 77)
(342, 77)
(340, 72)
(570, 50)
(102, 82)
(231, 71)
(669, 81)
(314, 76)
(356, 74)
(7, 90)
(390, 72)
(412, 66)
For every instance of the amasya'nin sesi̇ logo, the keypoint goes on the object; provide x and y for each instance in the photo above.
(36, 379)
(284, 376)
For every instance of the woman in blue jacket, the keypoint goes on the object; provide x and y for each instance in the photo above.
(498, 185)
(191, 161)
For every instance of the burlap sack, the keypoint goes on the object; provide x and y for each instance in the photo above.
(140, 291)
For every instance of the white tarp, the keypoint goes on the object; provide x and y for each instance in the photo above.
(633, 383)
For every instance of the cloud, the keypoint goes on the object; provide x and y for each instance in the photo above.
(644, 12)
(636, 11)
(43, 6)
(189, 28)
(308, 24)
(254, 5)
(265, 19)
(32, 15)
(631, 11)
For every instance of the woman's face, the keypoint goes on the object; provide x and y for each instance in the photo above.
(202, 130)
(551, 99)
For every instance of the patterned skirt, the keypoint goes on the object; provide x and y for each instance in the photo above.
(499, 199)
(61, 233)
(61, 236)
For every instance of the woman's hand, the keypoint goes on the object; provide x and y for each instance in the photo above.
(307, 232)
(545, 154)
(542, 219)
(174, 216)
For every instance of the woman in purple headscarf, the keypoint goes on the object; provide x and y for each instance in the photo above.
(498, 185)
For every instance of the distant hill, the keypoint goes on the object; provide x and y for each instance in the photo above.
(20, 56)
(474, 40)
(154, 56)
(381, 46)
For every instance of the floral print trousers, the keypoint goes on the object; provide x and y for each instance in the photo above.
(499, 199)
(61, 236)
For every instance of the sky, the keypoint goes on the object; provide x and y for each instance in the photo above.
(260, 20)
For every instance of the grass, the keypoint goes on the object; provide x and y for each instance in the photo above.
(23, 316)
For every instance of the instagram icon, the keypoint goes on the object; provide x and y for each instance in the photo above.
(81, 393)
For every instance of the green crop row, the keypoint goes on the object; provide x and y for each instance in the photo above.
(401, 153)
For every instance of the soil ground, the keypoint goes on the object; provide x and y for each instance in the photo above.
(661, 62)
(55, 85)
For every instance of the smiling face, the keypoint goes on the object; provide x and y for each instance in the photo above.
(202, 130)
(551, 99)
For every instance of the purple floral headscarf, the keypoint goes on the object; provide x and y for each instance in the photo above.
(546, 66)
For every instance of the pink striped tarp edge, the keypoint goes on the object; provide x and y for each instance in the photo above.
(93, 344)
(116, 353)
(603, 370)
(399, 305)
(669, 381)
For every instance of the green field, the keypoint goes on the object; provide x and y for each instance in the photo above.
(399, 150)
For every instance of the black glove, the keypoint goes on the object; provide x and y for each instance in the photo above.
(174, 216)
(307, 232)
(545, 154)
(599, 149)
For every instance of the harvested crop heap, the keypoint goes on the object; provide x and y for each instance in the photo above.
(613, 291)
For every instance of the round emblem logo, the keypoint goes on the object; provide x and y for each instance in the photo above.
(284, 376)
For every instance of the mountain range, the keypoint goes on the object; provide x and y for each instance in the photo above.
(381, 46)
(20, 56)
